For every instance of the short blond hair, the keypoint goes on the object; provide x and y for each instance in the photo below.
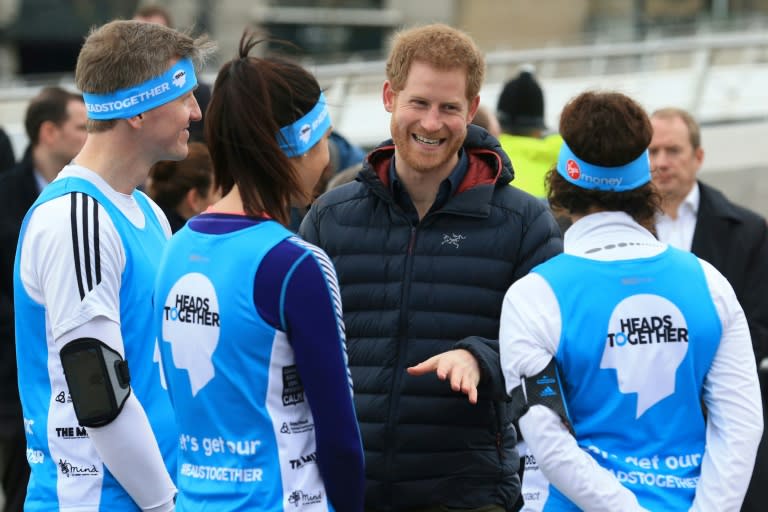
(440, 46)
(124, 53)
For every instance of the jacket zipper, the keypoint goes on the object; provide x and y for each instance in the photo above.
(399, 367)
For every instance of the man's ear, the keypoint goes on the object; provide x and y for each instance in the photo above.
(388, 95)
(47, 132)
(473, 106)
(698, 155)
(136, 121)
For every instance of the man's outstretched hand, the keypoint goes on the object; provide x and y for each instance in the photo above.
(459, 365)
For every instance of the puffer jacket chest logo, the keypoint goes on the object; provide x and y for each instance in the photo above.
(453, 239)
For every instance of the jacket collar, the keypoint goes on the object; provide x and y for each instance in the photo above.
(712, 203)
(488, 163)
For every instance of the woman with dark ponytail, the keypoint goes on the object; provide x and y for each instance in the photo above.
(629, 361)
(249, 316)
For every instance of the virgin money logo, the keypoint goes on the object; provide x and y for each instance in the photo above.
(573, 169)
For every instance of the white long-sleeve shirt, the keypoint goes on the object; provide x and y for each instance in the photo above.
(530, 331)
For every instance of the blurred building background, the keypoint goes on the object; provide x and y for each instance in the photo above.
(42, 36)
(709, 56)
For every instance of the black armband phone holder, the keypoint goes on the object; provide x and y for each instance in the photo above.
(544, 388)
(98, 380)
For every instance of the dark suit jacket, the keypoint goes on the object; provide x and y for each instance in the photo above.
(7, 159)
(735, 241)
(18, 190)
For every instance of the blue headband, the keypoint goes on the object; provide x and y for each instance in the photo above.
(594, 177)
(125, 103)
(299, 137)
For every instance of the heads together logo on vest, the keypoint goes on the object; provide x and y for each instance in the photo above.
(177, 81)
(300, 136)
(191, 312)
(647, 339)
(594, 177)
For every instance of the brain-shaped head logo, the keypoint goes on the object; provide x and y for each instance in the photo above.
(304, 133)
(647, 340)
(191, 325)
(179, 78)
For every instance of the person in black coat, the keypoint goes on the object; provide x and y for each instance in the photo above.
(425, 243)
(55, 123)
(7, 158)
(699, 218)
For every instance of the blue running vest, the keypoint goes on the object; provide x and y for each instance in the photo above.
(51, 455)
(247, 436)
(638, 337)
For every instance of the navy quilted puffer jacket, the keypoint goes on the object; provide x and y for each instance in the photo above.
(410, 292)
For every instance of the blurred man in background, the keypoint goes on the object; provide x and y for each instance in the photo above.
(700, 219)
(486, 119)
(7, 158)
(55, 125)
(520, 111)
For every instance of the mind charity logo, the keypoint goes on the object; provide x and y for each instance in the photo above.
(647, 339)
(191, 326)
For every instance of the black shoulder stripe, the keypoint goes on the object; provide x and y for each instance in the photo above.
(86, 252)
(75, 245)
(97, 249)
(87, 271)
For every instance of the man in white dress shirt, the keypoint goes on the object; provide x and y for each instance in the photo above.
(700, 219)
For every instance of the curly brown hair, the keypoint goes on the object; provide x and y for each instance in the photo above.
(608, 129)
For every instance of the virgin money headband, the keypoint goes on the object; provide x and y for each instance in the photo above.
(594, 177)
(299, 137)
(125, 103)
